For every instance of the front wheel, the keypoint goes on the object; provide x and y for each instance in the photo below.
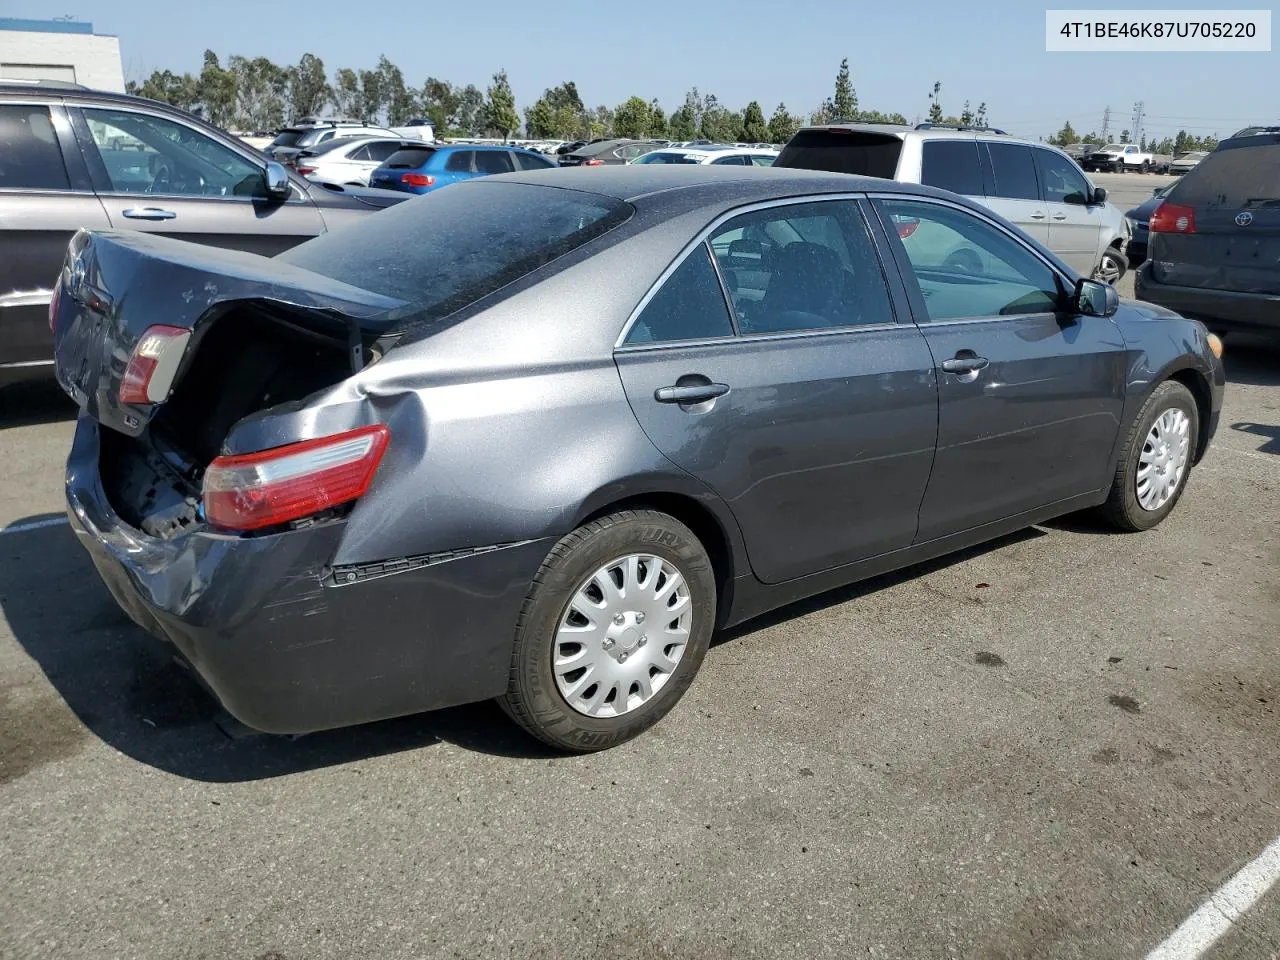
(1111, 267)
(613, 631)
(1156, 459)
(1146, 167)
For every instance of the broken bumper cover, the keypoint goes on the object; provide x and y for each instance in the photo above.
(286, 645)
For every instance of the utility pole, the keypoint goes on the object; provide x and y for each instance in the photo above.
(1137, 122)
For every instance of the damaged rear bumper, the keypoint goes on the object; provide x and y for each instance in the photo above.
(288, 644)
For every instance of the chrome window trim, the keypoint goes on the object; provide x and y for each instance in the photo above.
(704, 236)
(39, 297)
(926, 322)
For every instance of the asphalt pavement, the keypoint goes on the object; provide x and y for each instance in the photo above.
(1057, 745)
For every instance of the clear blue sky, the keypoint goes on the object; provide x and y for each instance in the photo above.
(740, 51)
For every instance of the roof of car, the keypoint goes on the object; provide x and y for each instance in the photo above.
(631, 182)
(904, 131)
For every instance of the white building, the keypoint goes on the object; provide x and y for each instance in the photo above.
(60, 50)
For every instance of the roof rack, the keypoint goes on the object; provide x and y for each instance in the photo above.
(55, 84)
(968, 128)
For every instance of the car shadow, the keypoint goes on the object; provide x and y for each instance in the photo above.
(1252, 360)
(862, 588)
(128, 690)
(34, 402)
(1270, 432)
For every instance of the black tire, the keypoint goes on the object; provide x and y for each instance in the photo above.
(1118, 261)
(1122, 508)
(533, 699)
(1146, 167)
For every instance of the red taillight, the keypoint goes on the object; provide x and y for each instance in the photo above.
(53, 304)
(593, 163)
(153, 364)
(906, 226)
(417, 179)
(1172, 218)
(275, 486)
(306, 170)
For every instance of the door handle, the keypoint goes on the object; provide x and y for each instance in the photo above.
(1059, 216)
(149, 213)
(1037, 215)
(693, 393)
(964, 365)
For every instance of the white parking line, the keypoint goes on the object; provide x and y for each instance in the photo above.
(33, 525)
(1224, 908)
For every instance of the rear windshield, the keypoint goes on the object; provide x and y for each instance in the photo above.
(326, 147)
(447, 249)
(410, 158)
(663, 157)
(286, 138)
(840, 151)
(1238, 178)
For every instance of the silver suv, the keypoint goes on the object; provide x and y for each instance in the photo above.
(1033, 185)
(290, 141)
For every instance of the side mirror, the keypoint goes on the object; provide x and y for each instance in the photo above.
(277, 181)
(1093, 298)
(1099, 195)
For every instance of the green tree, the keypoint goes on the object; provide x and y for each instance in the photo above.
(217, 91)
(439, 101)
(308, 87)
(966, 115)
(346, 92)
(631, 119)
(683, 126)
(401, 102)
(845, 102)
(166, 86)
(1065, 137)
(754, 128)
(981, 117)
(261, 88)
(935, 107)
(1124, 136)
(373, 95)
(717, 123)
(500, 107)
(540, 120)
(826, 113)
(469, 116)
(657, 121)
(877, 116)
(601, 122)
(782, 125)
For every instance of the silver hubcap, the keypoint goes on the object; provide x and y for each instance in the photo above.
(1109, 269)
(1163, 459)
(622, 635)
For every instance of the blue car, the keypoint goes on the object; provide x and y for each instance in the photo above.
(426, 167)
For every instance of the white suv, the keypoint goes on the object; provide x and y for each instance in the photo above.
(1030, 184)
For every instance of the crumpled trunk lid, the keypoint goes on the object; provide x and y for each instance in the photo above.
(116, 284)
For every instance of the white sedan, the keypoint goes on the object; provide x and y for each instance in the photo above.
(348, 160)
(712, 153)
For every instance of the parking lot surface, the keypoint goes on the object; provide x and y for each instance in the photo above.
(1057, 745)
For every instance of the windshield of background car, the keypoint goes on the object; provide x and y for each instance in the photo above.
(1113, 148)
(1238, 178)
(843, 151)
(449, 248)
(286, 138)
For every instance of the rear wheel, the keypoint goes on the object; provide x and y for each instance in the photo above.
(613, 631)
(1156, 459)
(1146, 167)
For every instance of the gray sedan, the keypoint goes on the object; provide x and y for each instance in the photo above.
(536, 437)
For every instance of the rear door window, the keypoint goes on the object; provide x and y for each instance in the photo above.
(805, 266)
(30, 158)
(738, 161)
(359, 153)
(461, 161)
(843, 151)
(952, 165)
(1014, 169)
(689, 305)
(493, 161)
(381, 151)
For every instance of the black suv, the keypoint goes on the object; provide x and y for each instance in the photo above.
(1214, 249)
(72, 157)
